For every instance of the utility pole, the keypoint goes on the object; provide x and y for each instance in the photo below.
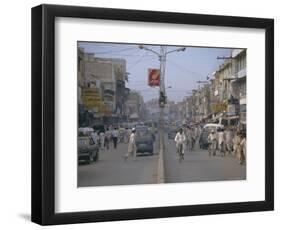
(162, 59)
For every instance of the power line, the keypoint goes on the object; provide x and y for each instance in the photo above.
(116, 51)
(139, 60)
(184, 69)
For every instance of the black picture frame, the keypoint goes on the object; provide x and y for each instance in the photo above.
(43, 113)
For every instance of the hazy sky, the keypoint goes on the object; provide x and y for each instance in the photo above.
(183, 69)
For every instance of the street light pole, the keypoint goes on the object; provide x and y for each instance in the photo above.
(162, 92)
(162, 59)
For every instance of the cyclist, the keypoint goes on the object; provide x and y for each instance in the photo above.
(180, 140)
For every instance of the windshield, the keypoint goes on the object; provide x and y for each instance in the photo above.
(143, 133)
(83, 141)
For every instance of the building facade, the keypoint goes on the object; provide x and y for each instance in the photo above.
(223, 98)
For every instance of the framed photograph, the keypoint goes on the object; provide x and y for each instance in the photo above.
(144, 114)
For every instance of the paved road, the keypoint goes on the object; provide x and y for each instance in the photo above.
(112, 170)
(198, 166)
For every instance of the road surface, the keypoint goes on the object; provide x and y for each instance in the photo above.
(111, 169)
(198, 166)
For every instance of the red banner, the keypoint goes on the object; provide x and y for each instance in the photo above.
(153, 77)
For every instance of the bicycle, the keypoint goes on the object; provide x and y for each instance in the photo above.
(180, 152)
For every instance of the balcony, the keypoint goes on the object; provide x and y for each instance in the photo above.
(241, 73)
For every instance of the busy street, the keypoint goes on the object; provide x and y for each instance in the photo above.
(199, 166)
(112, 169)
(160, 114)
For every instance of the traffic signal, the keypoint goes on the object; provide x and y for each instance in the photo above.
(162, 99)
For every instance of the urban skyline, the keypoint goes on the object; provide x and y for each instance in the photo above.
(191, 66)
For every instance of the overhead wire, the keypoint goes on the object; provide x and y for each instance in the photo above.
(116, 51)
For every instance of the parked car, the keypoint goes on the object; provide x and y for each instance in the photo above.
(84, 131)
(203, 139)
(88, 151)
(99, 128)
(144, 140)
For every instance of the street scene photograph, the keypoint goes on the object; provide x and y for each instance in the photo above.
(154, 114)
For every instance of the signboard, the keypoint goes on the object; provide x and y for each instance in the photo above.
(91, 97)
(219, 107)
(153, 77)
(231, 110)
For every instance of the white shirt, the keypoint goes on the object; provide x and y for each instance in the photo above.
(220, 137)
(115, 133)
(180, 138)
(212, 136)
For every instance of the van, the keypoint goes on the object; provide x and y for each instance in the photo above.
(207, 128)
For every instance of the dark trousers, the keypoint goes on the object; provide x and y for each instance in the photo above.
(115, 142)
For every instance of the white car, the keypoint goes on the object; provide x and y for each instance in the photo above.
(212, 126)
(203, 140)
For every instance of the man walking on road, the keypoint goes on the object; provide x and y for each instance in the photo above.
(221, 141)
(229, 140)
(115, 137)
(212, 140)
(107, 138)
(132, 148)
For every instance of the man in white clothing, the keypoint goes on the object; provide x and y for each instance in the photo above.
(132, 148)
(180, 140)
(212, 140)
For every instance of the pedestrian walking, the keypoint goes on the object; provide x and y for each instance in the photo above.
(102, 138)
(237, 145)
(115, 134)
(212, 140)
(95, 137)
(198, 134)
(221, 141)
(229, 140)
(107, 138)
(132, 148)
(242, 157)
(192, 137)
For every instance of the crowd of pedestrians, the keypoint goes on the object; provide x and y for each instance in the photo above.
(222, 142)
(109, 135)
(228, 141)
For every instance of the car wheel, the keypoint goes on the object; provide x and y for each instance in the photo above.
(91, 159)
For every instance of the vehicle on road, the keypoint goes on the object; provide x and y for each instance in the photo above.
(84, 131)
(172, 131)
(88, 151)
(207, 128)
(144, 140)
(99, 128)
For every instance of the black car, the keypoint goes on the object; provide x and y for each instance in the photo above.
(88, 151)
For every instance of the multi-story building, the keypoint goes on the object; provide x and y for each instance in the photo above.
(101, 74)
(135, 107)
(239, 82)
(101, 87)
(224, 97)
